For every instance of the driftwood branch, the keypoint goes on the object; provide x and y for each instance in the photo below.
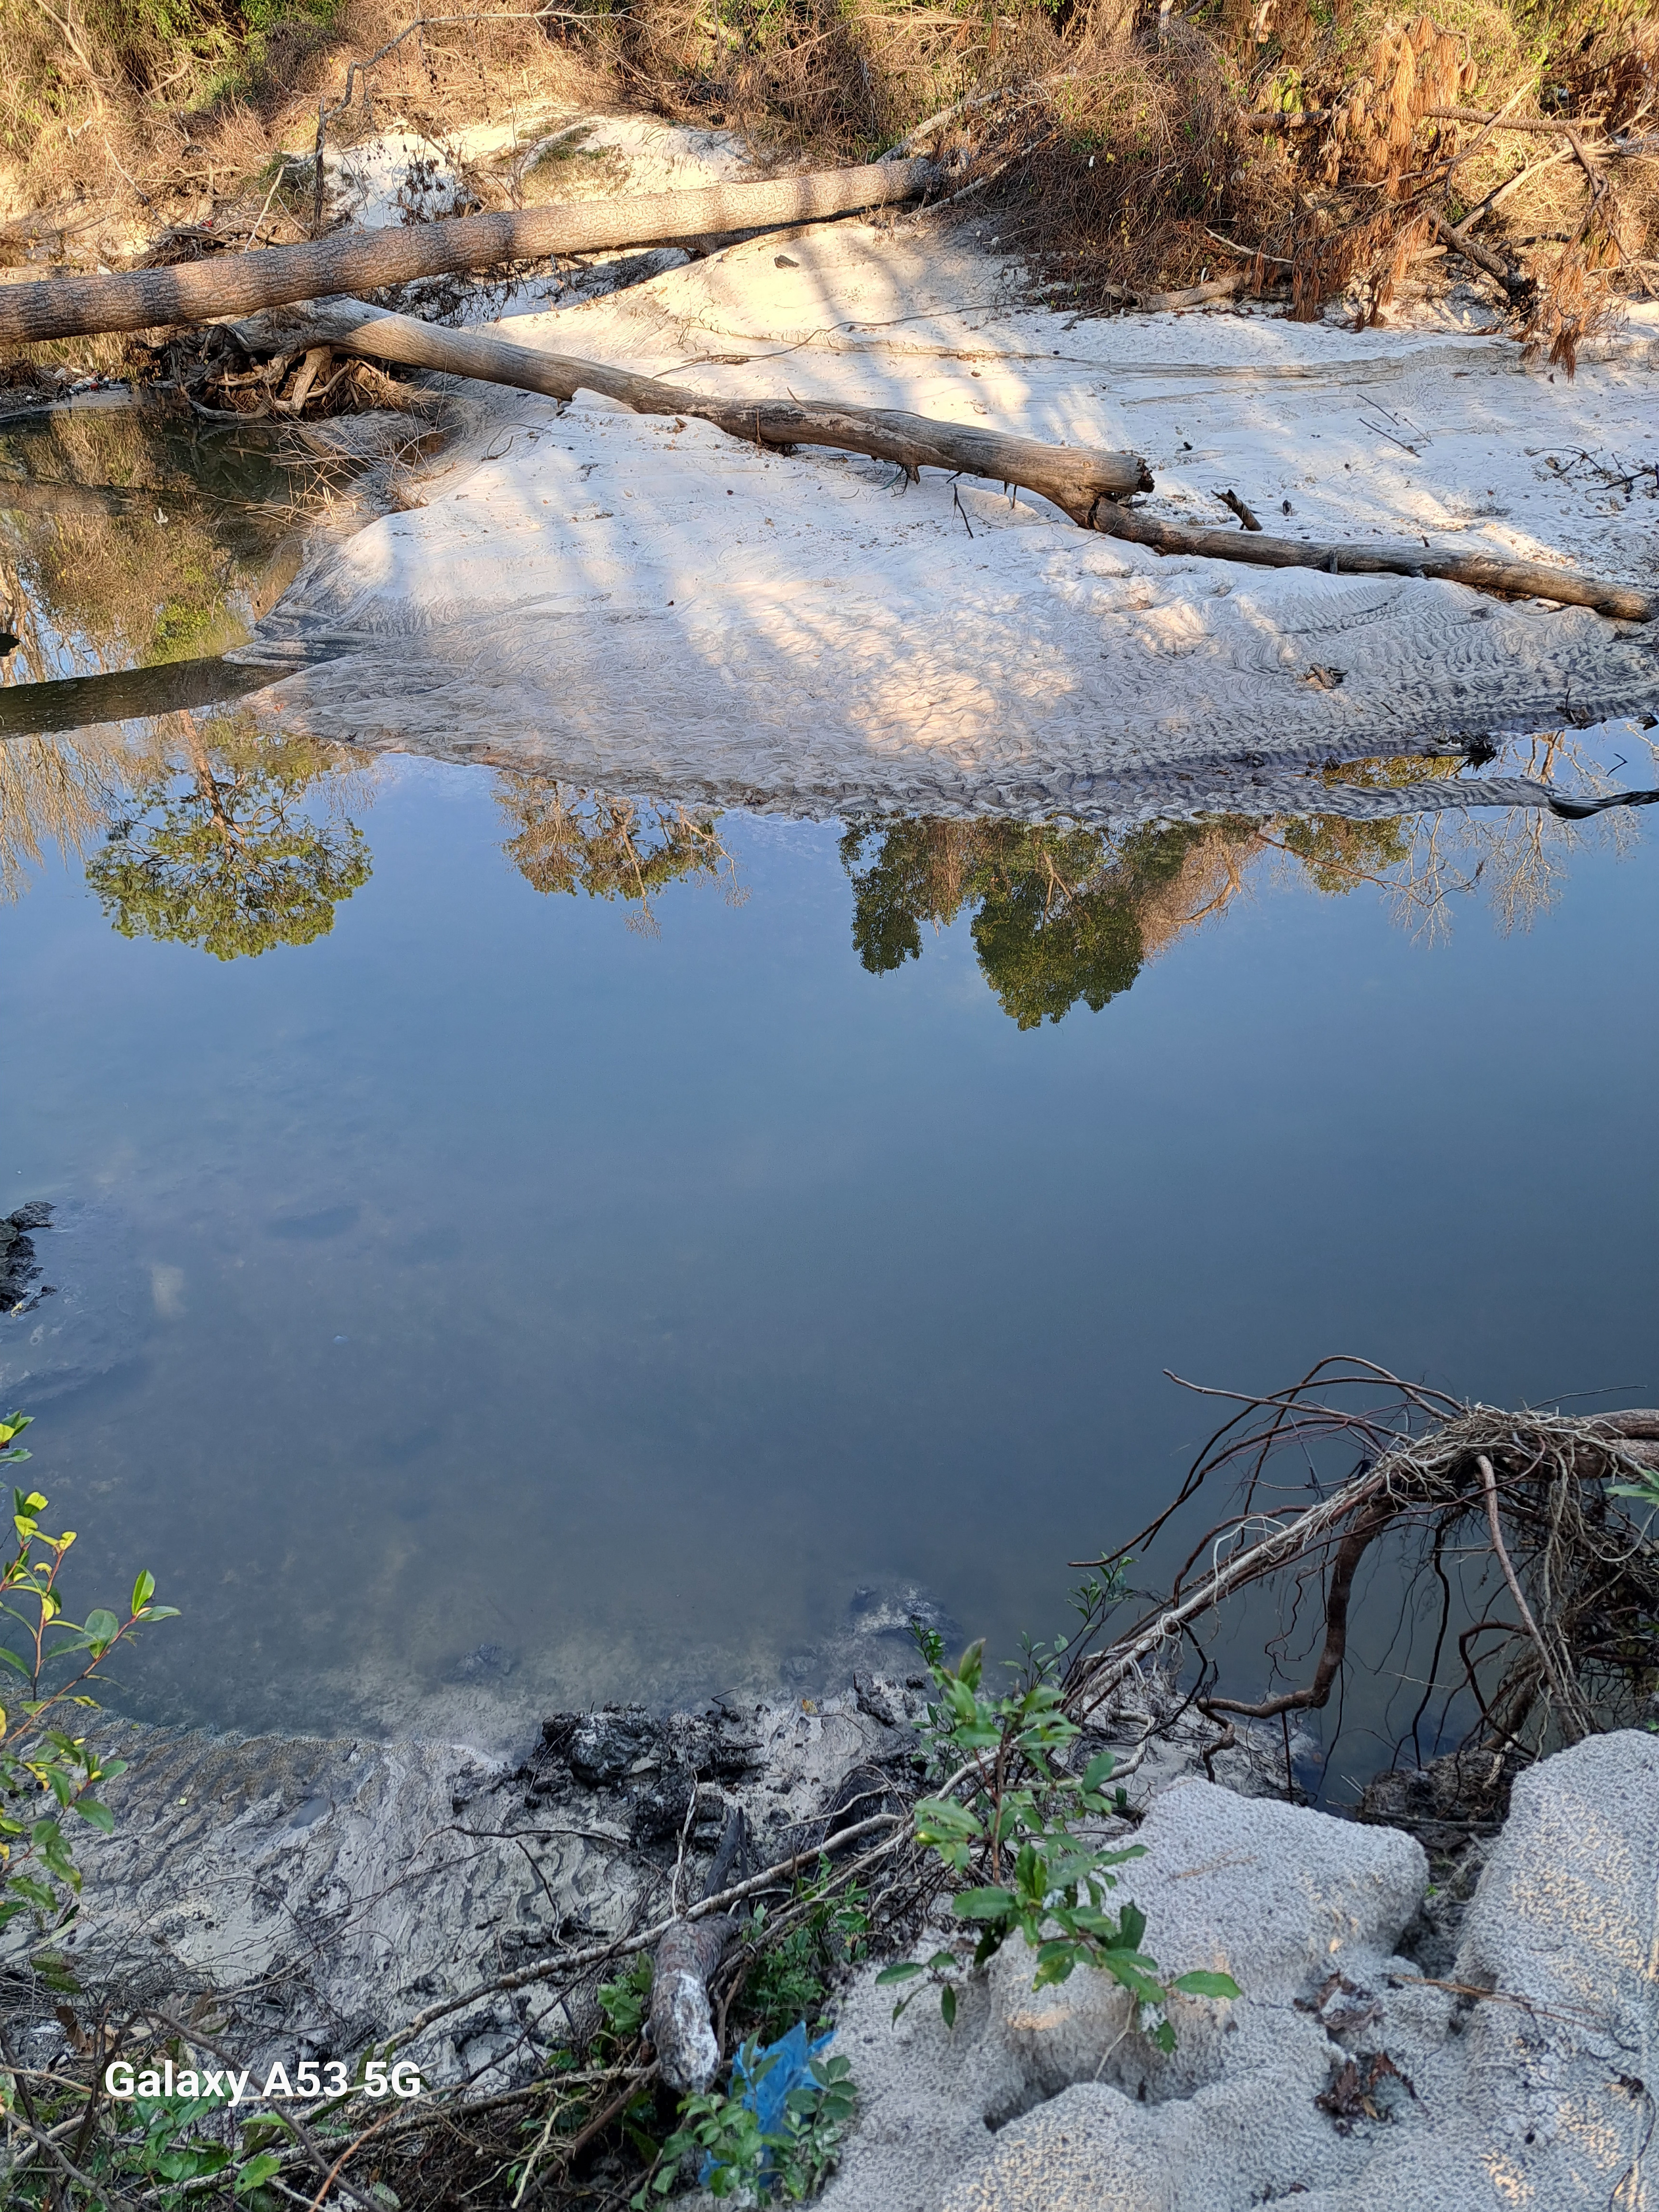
(368, 260)
(1517, 286)
(1482, 572)
(1303, 118)
(1075, 478)
(1572, 1712)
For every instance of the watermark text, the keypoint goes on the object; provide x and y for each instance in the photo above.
(308, 2079)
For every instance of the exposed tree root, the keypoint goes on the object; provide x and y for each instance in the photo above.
(1555, 1627)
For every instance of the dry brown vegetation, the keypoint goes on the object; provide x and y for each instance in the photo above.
(1122, 148)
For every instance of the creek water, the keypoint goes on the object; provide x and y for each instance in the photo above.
(515, 1250)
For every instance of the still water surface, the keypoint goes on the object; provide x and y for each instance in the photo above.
(471, 1266)
(514, 1249)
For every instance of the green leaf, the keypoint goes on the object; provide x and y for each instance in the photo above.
(947, 2005)
(1057, 1960)
(11, 1659)
(143, 1590)
(1099, 1770)
(101, 1625)
(1206, 1985)
(984, 1903)
(901, 1970)
(99, 1816)
(1137, 1975)
(53, 1970)
(268, 2128)
(941, 1818)
(256, 2172)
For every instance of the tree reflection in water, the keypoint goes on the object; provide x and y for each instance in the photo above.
(1062, 915)
(220, 832)
(224, 848)
(1059, 914)
(54, 791)
(566, 839)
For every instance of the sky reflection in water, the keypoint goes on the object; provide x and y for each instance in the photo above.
(619, 1279)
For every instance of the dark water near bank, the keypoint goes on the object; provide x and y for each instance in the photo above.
(493, 1217)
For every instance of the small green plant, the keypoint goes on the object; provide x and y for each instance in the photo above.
(789, 1975)
(42, 1762)
(1645, 1490)
(1010, 1813)
(172, 2153)
(760, 2148)
(626, 2001)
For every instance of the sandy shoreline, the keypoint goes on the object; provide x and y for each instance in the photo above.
(647, 605)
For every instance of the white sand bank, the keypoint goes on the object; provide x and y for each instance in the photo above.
(647, 605)
(410, 176)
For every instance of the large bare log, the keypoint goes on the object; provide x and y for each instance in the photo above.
(368, 260)
(1483, 572)
(1077, 478)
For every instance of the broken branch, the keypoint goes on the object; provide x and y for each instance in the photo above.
(1482, 572)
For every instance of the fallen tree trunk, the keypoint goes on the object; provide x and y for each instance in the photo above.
(1077, 478)
(368, 260)
(1483, 572)
(1195, 295)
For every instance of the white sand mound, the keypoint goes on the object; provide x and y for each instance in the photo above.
(646, 604)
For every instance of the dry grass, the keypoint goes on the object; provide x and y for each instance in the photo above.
(1117, 159)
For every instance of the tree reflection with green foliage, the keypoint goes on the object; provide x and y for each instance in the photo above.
(569, 840)
(1338, 851)
(224, 852)
(1059, 914)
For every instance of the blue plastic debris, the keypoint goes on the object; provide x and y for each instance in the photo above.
(765, 2079)
(781, 2067)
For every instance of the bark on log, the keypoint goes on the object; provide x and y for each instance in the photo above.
(368, 260)
(1637, 1421)
(1075, 478)
(681, 2020)
(1483, 572)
